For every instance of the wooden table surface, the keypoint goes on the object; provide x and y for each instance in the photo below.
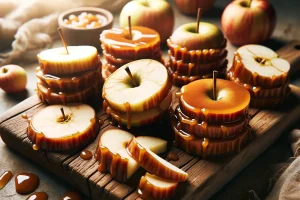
(255, 177)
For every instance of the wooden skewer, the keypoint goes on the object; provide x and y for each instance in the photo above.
(63, 113)
(198, 19)
(129, 27)
(215, 73)
(131, 77)
(63, 39)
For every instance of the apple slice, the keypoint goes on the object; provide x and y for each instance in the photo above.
(74, 83)
(47, 95)
(259, 66)
(113, 157)
(210, 147)
(181, 80)
(139, 119)
(192, 69)
(196, 101)
(153, 163)
(209, 130)
(57, 62)
(202, 56)
(49, 129)
(259, 92)
(154, 187)
(153, 81)
(118, 43)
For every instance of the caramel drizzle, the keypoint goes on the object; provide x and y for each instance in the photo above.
(128, 110)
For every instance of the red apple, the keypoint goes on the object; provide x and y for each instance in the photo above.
(155, 14)
(13, 78)
(190, 7)
(248, 21)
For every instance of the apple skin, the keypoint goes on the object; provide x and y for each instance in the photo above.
(149, 13)
(248, 24)
(209, 36)
(13, 78)
(190, 7)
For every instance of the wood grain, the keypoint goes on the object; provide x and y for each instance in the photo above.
(205, 176)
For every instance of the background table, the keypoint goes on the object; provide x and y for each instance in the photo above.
(255, 177)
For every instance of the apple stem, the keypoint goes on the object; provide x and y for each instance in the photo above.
(130, 75)
(4, 70)
(63, 113)
(250, 3)
(129, 26)
(215, 73)
(63, 39)
(198, 19)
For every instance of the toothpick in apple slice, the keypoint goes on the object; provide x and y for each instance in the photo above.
(215, 73)
(198, 19)
(63, 39)
(129, 27)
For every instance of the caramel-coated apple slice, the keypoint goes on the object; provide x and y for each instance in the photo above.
(74, 83)
(113, 157)
(153, 85)
(180, 80)
(139, 119)
(208, 130)
(196, 101)
(194, 69)
(260, 92)
(259, 66)
(49, 96)
(196, 56)
(118, 43)
(153, 163)
(210, 147)
(62, 127)
(58, 62)
(154, 187)
(119, 62)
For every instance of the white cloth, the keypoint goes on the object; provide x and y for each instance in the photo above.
(30, 25)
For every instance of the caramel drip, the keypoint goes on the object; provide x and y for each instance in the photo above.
(38, 196)
(38, 139)
(70, 195)
(205, 144)
(26, 183)
(128, 109)
(24, 116)
(86, 154)
(143, 195)
(101, 156)
(172, 156)
(5, 178)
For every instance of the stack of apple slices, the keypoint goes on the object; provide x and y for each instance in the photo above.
(121, 154)
(262, 73)
(194, 55)
(141, 104)
(210, 127)
(69, 77)
(120, 47)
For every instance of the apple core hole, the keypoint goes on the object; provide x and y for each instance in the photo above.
(244, 4)
(297, 47)
(260, 60)
(4, 70)
(136, 79)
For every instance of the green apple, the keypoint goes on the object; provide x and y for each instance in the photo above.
(13, 78)
(155, 14)
(208, 37)
(153, 85)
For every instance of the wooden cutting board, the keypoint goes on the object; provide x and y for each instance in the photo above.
(206, 177)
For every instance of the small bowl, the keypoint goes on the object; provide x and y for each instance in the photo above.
(84, 36)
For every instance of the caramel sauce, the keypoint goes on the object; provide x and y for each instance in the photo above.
(70, 195)
(38, 196)
(205, 144)
(128, 109)
(172, 156)
(86, 155)
(101, 122)
(144, 195)
(26, 183)
(24, 116)
(5, 178)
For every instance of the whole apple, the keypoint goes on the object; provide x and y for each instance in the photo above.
(155, 14)
(13, 78)
(248, 21)
(190, 7)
